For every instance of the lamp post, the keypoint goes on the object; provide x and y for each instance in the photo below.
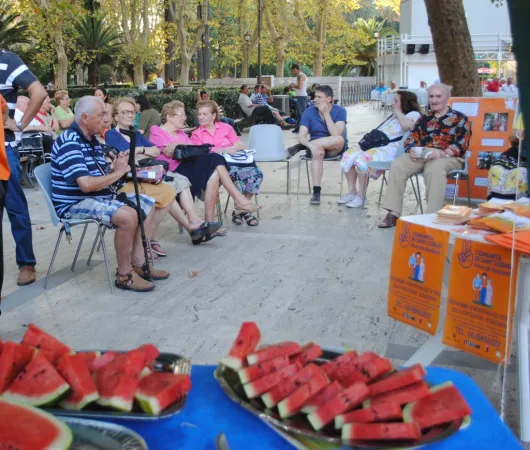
(376, 35)
(259, 41)
(247, 54)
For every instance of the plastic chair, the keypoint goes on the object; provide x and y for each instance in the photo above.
(388, 100)
(43, 176)
(375, 97)
(461, 174)
(307, 159)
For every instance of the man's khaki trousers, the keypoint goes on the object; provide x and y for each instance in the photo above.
(434, 173)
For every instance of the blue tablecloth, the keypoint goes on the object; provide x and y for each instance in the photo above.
(209, 412)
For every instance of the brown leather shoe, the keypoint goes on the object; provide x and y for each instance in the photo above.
(132, 282)
(26, 276)
(156, 274)
(388, 222)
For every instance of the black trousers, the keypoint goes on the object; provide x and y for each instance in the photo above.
(3, 190)
(265, 112)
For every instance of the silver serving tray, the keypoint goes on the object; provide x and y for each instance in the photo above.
(166, 362)
(298, 425)
(94, 435)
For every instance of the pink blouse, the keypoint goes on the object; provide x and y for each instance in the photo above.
(160, 138)
(224, 136)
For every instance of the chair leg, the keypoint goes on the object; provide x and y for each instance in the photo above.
(227, 201)
(365, 191)
(53, 257)
(99, 237)
(181, 230)
(219, 213)
(457, 177)
(299, 170)
(468, 191)
(308, 179)
(106, 258)
(419, 193)
(288, 176)
(383, 181)
(256, 199)
(79, 246)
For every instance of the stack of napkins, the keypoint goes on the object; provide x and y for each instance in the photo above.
(489, 208)
(453, 215)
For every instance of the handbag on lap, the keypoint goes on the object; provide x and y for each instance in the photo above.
(188, 152)
(376, 138)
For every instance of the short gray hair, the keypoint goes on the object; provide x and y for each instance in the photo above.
(446, 89)
(86, 105)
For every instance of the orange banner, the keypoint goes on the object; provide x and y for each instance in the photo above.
(477, 304)
(416, 275)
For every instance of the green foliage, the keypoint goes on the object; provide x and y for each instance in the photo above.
(13, 28)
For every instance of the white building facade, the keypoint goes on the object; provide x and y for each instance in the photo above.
(409, 58)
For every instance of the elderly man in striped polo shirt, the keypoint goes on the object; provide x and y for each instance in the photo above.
(82, 188)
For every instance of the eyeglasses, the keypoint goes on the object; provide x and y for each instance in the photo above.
(127, 113)
(180, 114)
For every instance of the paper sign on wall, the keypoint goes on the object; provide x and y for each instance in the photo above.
(477, 304)
(416, 275)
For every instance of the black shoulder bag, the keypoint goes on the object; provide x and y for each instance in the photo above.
(185, 152)
(376, 138)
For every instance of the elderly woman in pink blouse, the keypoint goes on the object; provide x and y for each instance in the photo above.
(205, 173)
(247, 177)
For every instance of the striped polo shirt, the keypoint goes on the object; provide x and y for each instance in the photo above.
(73, 156)
(14, 75)
(258, 99)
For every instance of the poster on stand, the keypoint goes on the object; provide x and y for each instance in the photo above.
(416, 275)
(480, 283)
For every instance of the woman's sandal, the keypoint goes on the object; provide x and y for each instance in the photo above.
(249, 209)
(251, 220)
(238, 218)
(206, 232)
(157, 248)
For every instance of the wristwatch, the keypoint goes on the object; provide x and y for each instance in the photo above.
(19, 125)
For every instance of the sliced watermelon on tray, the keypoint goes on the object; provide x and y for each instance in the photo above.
(398, 379)
(101, 361)
(295, 401)
(324, 396)
(160, 389)
(251, 373)
(150, 352)
(89, 357)
(380, 432)
(367, 371)
(309, 353)
(403, 395)
(38, 384)
(52, 347)
(261, 385)
(74, 370)
(13, 359)
(273, 351)
(443, 404)
(331, 367)
(247, 340)
(378, 413)
(26, 428)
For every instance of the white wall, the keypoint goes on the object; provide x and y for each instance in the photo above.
(417, 72)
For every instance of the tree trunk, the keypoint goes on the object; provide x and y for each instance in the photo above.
(61, 77)
(138, 72)
(185, 66)
(93, 73)
(452, 44)
(318, 59)
(519, 18)
(280, 58)
(79, 74)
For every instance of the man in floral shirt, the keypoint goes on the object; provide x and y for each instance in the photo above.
(443, 136)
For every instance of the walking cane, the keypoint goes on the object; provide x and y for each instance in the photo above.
(132, 164)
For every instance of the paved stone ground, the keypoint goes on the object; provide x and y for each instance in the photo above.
(306, 273)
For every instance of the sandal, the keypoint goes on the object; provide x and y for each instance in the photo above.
(156, 274)
(251, 220)
(388, 222)
(157, 248)
(206, 232)
(135, 283)
(152, 255)
(247, 209)
(221, 232)
(238, 218)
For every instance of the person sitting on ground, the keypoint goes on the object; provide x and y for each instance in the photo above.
(247, 177)
(205, 173)
(381, 87)
(355, 161)
(323, 132)
(254, 109)
(45, 128)
(443, 136)
(163, 193)
(204, 96)
(149, 116)
(81, 189)
(507, 175)
(63, 112)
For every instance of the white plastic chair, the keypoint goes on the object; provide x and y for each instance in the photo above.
(388, 100)
(461, 174)
(375, 97)
(43, 176)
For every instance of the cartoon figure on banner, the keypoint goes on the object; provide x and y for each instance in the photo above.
(482, 290)
(477, 283)
(422, 270)
(417, 267)
(412, 265)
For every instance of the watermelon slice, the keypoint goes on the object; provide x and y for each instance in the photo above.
(251, 373)
(324, 396)
(146, 371)
(332, 366)
(118, 380)
(27, 428)
(403, 395)
(1, 345)
(52, 347)
(274, 351)
(13, 359)
(292, 404)
(246, 342)
(261, 385)
(150, 352)
(380, 432)
(350, 370)
(379, 413)
(160, 389)
(443, 404)
(347, 399)
(309, 353)
(38, 384)
(89, 357)
(74, 370)
(289, 385)
(398, 379)
(367, 371)
(101, 361)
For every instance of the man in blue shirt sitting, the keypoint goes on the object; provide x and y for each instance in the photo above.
(381, 87)
(323, 132)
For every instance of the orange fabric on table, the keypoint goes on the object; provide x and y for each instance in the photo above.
(522, 240)
(4, 165)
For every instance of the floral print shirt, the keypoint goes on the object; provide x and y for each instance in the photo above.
(450, 133)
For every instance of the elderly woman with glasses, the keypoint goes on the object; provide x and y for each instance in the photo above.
(206, 173)
(63, 112)
(164, 193)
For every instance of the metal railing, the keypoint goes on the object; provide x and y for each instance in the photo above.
(352, 93)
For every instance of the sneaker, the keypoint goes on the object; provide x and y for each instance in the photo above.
(346, 198)
(132, 282)
(156, 274)
(26, 275)
(291, 151)
(315, 198)
(357, 202)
